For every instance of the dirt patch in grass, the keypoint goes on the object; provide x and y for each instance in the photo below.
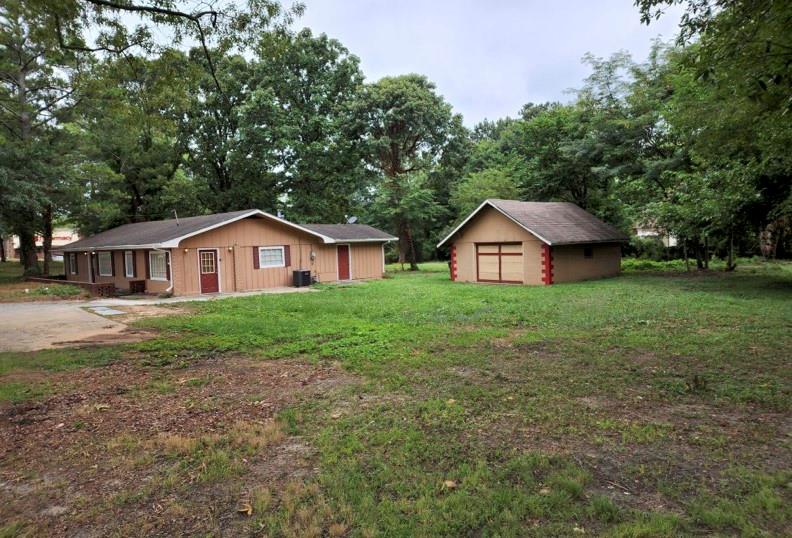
(136, 312)
(640, 447)
(126, 335)
(140, 451)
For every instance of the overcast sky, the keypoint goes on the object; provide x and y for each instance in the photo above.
(487, 57)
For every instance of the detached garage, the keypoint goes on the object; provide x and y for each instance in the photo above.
(513, 242)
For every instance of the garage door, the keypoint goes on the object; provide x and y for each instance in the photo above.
(499, 262)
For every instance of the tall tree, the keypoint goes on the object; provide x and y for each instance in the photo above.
(734, 92)
(130, 121)
(36, 87)
(300, 114)
(407, 125)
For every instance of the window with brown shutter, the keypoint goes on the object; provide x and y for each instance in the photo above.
(270, 257)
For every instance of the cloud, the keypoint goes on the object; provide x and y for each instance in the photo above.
(487, 58)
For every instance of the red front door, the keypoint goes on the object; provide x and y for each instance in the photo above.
(207, 263)
(343, 262)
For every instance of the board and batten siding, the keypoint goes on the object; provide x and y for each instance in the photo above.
(571, 265)
(237, 244)
(119, 278)
(366, 260)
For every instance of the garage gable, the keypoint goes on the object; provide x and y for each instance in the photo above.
(491, 226)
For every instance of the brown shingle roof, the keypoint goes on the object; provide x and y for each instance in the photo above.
(167, 234)
(153, 232)
(555, 223)
(350, 232)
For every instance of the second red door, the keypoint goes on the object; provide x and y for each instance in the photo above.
(343, 262)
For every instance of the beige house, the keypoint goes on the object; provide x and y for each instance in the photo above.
(512, 242)
(224, 252)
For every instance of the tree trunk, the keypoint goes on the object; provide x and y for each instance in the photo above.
(706, 252)
(685, 253)
(27, 252)
(27, 240)
(2, 249)
(47, 239)
(407, 246)
(699, 257)
(730, 265)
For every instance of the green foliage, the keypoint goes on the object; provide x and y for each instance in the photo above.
(299, 118)
(407, 126)
(57, 290)
(478, 186)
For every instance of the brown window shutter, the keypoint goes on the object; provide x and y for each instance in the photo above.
(113, 263)
(134, 264)
(147, 264)
(287, 255)
(167, 266)
(256, 258)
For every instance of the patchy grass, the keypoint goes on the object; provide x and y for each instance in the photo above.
(647, 405)
(14, 288)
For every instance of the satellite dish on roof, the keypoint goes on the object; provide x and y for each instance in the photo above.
(352, 220)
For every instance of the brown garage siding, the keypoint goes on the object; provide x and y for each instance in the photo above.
(570, 264)
(491, 226)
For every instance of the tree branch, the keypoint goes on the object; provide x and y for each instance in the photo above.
(153, 10)
(80, 48)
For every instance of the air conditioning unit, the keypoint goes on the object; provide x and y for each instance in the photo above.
(302, 278)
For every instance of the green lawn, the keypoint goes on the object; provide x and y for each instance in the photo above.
(645, 405)
(14, 288)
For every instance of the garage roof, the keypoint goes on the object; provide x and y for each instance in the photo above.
(554, 223)
(168, 233)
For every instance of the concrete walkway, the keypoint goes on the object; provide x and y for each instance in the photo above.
(41, 325)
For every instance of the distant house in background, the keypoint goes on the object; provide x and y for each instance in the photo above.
(513, 242)
(647, 230)
(60, 236)
(224, 252)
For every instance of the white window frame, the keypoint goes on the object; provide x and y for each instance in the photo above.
(129, 263)
(73, 269)
(283, 257)
(164, 277)
(99, 256)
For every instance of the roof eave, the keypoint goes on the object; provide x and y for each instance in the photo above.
(115, 247)
(499, 210)
(174, 243)
(367, 240)
(593, 241)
